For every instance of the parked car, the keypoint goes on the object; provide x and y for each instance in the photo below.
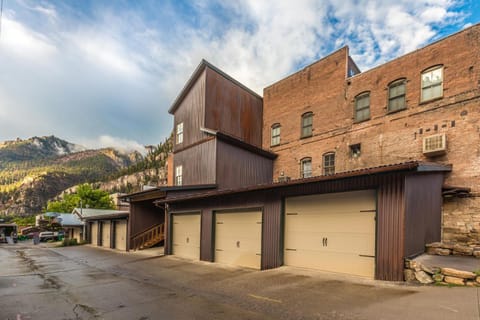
(46, 235)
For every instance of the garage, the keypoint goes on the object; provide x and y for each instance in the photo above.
(94, 233)
(121, 235)
(106, 234)
(186, 235)
(238, 238)
(332, 232)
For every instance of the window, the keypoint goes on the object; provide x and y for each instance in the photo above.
(275, 135)
(362, 107)
(329, 163)
(396, 96)
(306, 167)
(355, 150)
(178, 175)
(180, 132)
(432, 83)
(307, 123)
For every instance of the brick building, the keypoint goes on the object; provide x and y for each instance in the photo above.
(352, 120)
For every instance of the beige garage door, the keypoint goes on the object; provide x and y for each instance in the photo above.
(121, 235)
(332, 232)
(106, 234)
(238, 238)
(94, 233)
(186, 235)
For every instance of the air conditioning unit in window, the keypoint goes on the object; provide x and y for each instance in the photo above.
(435, 145)
(283, 179)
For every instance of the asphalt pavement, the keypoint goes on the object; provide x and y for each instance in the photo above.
(84, 282)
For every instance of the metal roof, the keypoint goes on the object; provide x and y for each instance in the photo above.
(93, 214)
(68, 219)
(412, 166)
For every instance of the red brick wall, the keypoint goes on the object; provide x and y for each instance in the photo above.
(386, 138)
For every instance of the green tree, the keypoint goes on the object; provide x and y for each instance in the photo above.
(85, 196)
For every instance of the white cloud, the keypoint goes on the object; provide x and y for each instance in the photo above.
(106, 141)
(114, 70)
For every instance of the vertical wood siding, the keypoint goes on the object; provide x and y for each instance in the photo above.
(232, 109)
(423, 213)
(191, 112)
(198, 163)
(239, 168)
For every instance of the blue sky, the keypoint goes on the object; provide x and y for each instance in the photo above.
(104, 73)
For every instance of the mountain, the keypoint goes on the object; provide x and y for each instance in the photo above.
(35, 170)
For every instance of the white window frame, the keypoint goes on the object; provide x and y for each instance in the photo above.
(276, 130)
(179, 133)
(329, 163)
(395, 98)
(178, 175)
(304, 171)
(429, 86)
(362, 110)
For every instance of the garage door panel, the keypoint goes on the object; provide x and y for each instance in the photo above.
(334, 232)
(238, 238)
(121, 235)
(332, 261)
(94, 233)
(186, 235)
(106, 234)
(351, 222)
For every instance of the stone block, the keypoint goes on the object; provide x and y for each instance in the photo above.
(477, 279)
(476, 254)
(427, 269)
(438, 277)
(471, 284)
(409, 275)
(434, 245)
(454, 280)
(443, 252)
(462, 250)
(423, 277)
(458, 273)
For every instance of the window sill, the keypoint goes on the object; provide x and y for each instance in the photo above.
(430, 100)
(306, 137)
(360, 121)
(395, 111)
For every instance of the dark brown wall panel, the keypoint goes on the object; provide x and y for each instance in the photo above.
(198, 163)
(390, 229)
(233, 109)
(237, 167)
(423, 212)
(143, 216)
(191, 113)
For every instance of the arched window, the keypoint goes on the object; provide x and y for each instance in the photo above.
(362, 107)
(396, 95)
(306, 167)
(307, 125)
(275, 141)
(329, 163)
(432, 83)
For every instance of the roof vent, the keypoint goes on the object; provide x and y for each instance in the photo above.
(435, 145)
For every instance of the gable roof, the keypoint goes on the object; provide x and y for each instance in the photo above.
(84, 213)
(193, 78)
(68, 219)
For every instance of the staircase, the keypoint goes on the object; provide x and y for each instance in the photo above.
(149, 237)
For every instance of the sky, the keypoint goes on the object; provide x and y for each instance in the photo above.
(104, 72)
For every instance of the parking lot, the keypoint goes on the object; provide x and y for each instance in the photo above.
(45, 282)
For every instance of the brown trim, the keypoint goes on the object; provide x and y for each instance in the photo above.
(193, 145)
